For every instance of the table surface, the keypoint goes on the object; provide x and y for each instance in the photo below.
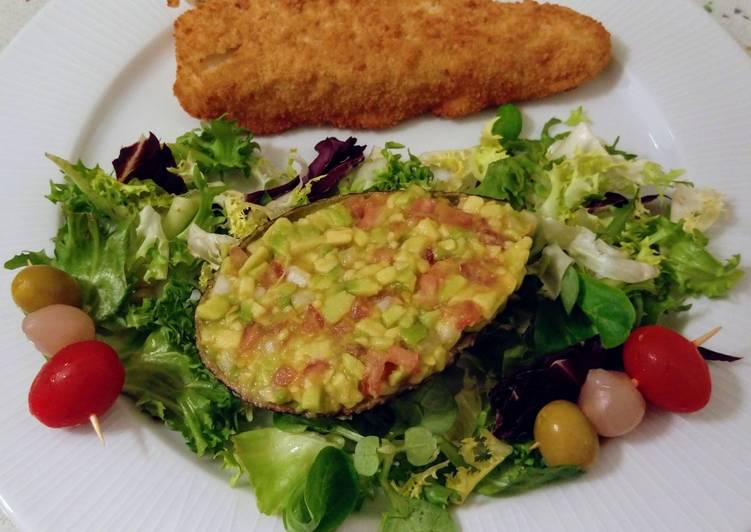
(733, 15)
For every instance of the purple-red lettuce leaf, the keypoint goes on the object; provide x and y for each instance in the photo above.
(148, 159)
(708, 354)
(335, 159)
(518, 397)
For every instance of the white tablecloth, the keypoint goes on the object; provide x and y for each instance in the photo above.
(734, 15)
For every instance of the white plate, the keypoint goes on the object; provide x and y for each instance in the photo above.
(85, 77)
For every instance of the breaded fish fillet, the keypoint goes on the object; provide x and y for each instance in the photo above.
(277, 64)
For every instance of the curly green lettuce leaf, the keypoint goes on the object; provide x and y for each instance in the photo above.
(697, 208)
(168, 381)
(416, 515)
(482, 453)
(683, 257)
(516, 178)
(386, 170)
(154, 247)
(93, 189)
(457, 170)
(99, 257)
(218, 147)
(242, 217)
(523, 471)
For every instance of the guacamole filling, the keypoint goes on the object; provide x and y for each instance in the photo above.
(360, 298)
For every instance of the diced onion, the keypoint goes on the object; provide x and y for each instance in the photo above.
(270, 347)
(302, 298)
(385, 303)
(222, 285)
(297, 276)
(259, 292)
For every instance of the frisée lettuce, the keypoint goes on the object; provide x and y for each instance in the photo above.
(620, 243)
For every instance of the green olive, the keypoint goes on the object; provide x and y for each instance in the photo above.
(39, 286)
(565, 435)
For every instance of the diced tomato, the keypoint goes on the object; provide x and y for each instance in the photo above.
(478, 273)
(272, 274)
(284, 376)
(451, 215)
(379, 365)
(427, 289)
(366, 210)
(404, 358)
(252, 334)
(342, 327)
(384, 254)
(423, 206)
(443, 268)
(465, 314)
(317, 367)
(361, 308)
(488, 235)
(238, 257)
(313, 321)
(374, 366)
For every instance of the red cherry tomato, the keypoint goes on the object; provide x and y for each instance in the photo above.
(81, 380)
(670, 372)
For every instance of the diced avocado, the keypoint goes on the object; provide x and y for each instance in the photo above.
(472, 204)
(428, 228)
(414, 334)
(447, 244)
(392, 314)
(415, 244)
(256, 258)
(336, 306)
(279, 236)
(227, 339)
(306, 239)
(451, 287)
(213, 308)
(338, 215)
(285, 289)
(257, 310)
(386, 276)
(491, 210)
(360, 237)
(487, 302)
(326, 264)
(370, 327)
(381, 342)
(362, 287)
(378, 235)
(352, 366)
(430, 318)
(311, 397)
(247, 287)
(396, 376)
(369, 270)
(246, 311)
(339, 237)
(409, 318)
(407, 279)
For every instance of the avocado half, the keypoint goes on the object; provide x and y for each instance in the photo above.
(339, 305)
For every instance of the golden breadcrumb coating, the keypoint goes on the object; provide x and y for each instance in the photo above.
(278, 64)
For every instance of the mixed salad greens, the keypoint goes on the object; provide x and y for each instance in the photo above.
(620, 244)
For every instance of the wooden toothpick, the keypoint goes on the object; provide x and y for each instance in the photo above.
(95, 424)
(706, 336)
